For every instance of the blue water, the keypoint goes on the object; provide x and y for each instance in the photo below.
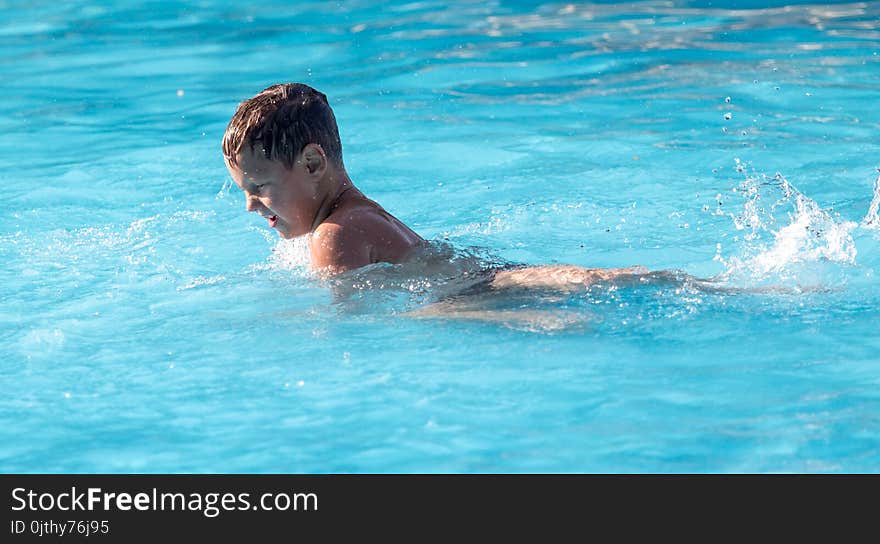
(148, 324)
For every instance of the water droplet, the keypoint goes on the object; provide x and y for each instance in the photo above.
(179, 92)
(727, 99)
(728, 116)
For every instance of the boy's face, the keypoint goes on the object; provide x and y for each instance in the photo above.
(288, 198)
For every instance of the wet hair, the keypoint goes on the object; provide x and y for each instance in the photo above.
(283, 119)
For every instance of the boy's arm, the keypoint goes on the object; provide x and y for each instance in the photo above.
(560, 279)
(566, 278)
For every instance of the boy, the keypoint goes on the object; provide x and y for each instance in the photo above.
(282, 149)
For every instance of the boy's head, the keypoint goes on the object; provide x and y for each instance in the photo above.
(280, 121)
(281, 148)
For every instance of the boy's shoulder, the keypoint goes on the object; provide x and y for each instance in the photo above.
(357, 234)
(352, 219)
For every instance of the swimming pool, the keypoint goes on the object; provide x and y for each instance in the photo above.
(150, 325)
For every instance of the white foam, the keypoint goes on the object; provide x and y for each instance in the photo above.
(291, 254)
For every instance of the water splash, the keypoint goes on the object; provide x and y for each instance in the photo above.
(872, 219)
(290, 254)
(785, 235)
(225, 190)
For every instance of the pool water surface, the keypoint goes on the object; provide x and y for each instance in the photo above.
(149, 324)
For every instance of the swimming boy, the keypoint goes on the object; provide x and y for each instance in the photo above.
(282, 148)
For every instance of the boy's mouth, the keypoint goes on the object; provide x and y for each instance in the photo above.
(272, 220)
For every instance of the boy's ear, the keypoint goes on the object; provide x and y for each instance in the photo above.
(314, 159)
